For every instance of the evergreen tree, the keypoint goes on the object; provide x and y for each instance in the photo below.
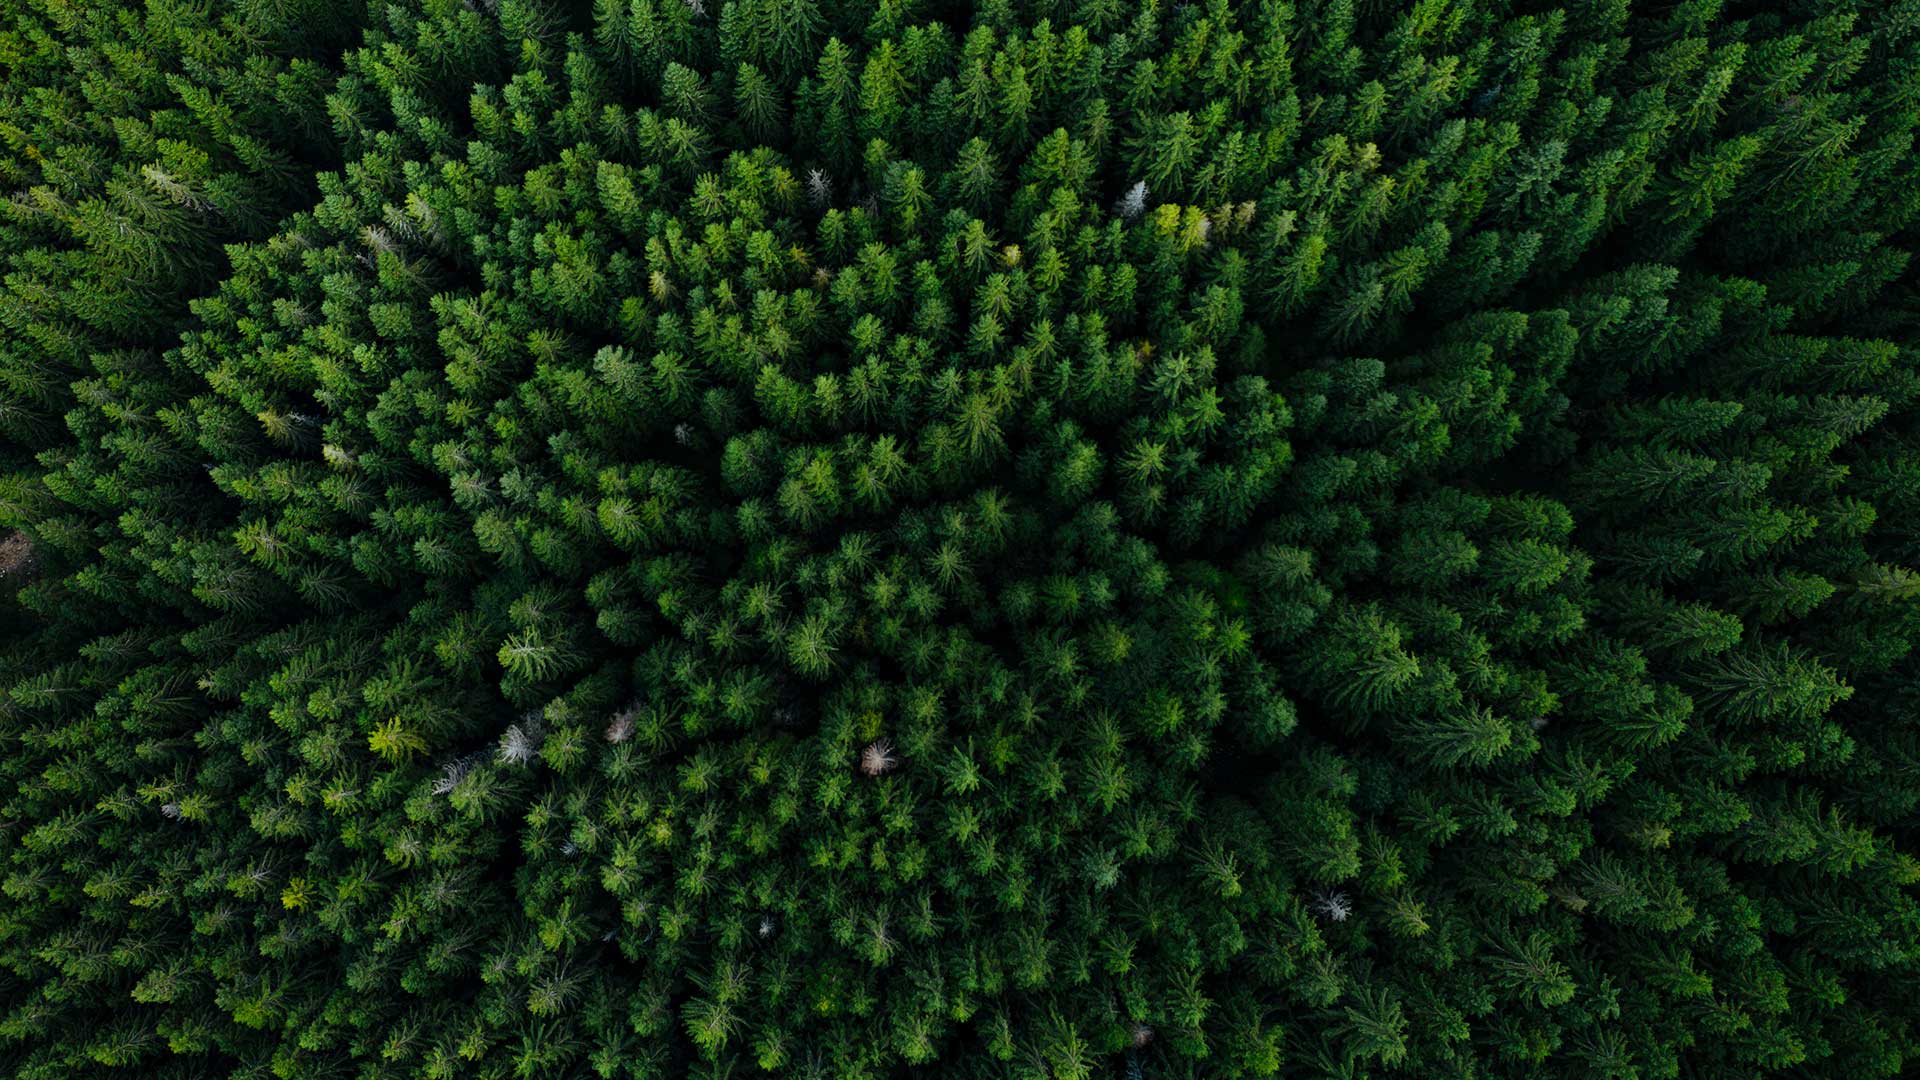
(678, 538)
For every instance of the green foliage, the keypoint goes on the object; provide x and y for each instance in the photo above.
(680, 538)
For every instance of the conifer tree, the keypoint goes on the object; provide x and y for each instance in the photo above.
(682, 538)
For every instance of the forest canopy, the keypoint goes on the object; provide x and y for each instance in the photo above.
(1020, 538)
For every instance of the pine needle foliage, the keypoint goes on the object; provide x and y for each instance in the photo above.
(668, 538)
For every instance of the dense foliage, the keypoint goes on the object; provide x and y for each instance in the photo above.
(1038, 538)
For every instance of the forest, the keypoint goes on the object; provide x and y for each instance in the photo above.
(974, 539)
